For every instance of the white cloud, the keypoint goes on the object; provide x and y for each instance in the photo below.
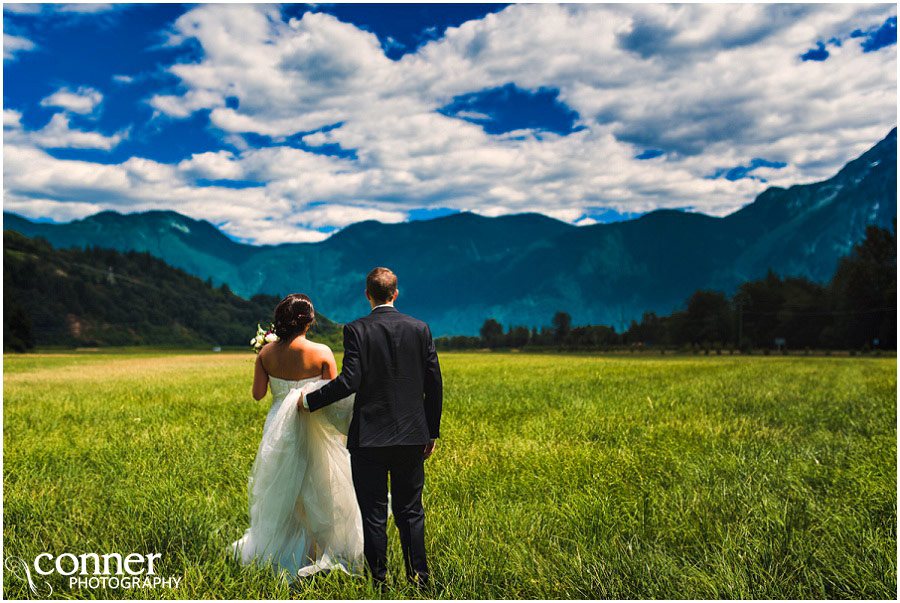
(58, 133)
(272, 232)
(22, 8)
(472, 115)
(333, 215)
(212, 166)
(11, 118)
(13, 44)
(83, 100)
(184, 106)
(84, 7)
(123, 79)
(34, 8)
(58, 211)
(135, 185)
(37, 185)
(713, 86)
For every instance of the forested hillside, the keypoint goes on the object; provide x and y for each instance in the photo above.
(93, 296)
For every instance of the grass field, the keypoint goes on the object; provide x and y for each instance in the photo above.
(557, 476)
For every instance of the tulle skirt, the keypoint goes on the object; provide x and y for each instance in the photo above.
(304, 517)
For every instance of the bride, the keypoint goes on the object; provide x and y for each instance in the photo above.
(304, 517)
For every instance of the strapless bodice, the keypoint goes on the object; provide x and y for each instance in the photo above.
(281, 387)
(286, 392)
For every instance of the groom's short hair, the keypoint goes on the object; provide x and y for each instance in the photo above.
(381, 284)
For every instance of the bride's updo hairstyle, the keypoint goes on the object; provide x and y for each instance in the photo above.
(294, 315)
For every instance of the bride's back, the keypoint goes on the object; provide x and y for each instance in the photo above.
(298, 359)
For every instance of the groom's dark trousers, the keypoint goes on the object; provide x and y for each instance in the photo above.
(391, 364)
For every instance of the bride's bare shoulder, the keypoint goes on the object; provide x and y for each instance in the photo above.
(322, 348)
(309, 348)
(266, 350)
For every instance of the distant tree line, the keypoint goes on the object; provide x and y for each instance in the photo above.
(856, 310)
(101, 297)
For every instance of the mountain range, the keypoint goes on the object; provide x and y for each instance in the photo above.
(458, 270)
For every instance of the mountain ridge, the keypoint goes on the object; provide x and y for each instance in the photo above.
(457, 270)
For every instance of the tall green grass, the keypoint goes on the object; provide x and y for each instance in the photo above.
(557, 476)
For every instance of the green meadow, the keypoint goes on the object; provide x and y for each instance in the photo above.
(557, 476)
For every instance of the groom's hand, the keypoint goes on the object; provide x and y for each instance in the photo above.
(301, 404)
(429, 448)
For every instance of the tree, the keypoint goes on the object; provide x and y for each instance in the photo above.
(562, 325)
(760, 302)
(651, 330)
(16, 327)
(491, 333)
(864, 291)
(518, 336)
(709, 318)
(804, 314)
(603, 336)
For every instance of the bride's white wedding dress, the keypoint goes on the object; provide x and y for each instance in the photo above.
(304, 517)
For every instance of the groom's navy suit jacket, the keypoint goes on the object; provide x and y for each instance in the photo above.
(392, 366)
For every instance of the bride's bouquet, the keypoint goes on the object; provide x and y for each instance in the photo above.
(263, 336)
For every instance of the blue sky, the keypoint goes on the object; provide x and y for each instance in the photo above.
(287, 123)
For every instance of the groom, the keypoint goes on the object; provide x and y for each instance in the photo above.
(391, 364)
